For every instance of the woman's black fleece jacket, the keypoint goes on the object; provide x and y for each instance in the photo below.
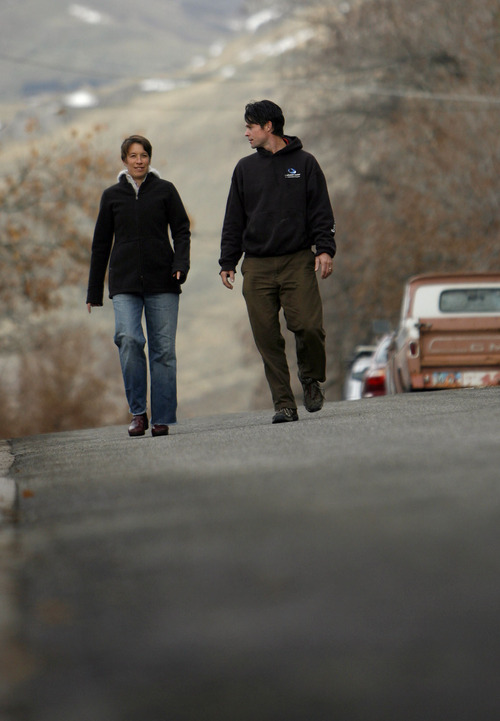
(142, 257)
(278, 204)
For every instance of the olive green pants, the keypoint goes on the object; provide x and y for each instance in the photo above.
(288, 282)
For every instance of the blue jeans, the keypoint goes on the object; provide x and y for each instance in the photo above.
(161, 311)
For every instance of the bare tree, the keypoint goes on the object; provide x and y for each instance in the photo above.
(48, 202)
(51, 379)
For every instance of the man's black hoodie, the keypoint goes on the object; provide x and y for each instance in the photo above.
(278, 204)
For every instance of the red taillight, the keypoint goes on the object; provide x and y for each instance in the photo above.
(413, 348)
(374, 384)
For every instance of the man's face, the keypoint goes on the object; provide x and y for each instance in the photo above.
(137, 162)
(258, 136)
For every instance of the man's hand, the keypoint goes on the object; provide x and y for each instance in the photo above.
(227, 278)
(325, 262)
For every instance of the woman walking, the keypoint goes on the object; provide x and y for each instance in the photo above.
(146, 271)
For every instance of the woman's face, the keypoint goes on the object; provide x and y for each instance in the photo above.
(137, 162)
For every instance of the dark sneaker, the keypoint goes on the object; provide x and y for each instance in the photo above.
(284, 415)
(313, 395)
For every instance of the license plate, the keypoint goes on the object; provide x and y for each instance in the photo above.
(465, 379)
(448, 379)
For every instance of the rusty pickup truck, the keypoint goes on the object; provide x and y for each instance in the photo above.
(448, 334)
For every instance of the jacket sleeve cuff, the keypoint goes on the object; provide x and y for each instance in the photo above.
(94, 297)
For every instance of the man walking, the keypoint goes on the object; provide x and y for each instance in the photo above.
(279, 216)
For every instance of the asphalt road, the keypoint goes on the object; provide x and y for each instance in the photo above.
(346, 567)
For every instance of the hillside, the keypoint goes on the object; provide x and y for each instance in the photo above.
(55, 46)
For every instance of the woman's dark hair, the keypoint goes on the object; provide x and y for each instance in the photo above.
(136, 139)
(265, 111)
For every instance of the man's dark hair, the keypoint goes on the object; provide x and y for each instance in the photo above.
(136, 139)
(265, 111)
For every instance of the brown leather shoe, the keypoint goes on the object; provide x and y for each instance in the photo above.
(159, 430)
(139, 425)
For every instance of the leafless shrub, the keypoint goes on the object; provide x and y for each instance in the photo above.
(60, 385)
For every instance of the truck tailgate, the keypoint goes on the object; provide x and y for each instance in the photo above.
(460, 342)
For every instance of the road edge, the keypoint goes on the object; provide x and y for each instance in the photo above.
(8, 488)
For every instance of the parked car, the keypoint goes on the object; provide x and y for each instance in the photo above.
(373, 383)
(357, 367)
(448, 334)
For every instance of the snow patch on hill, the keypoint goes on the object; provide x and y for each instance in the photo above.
(87, 15)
